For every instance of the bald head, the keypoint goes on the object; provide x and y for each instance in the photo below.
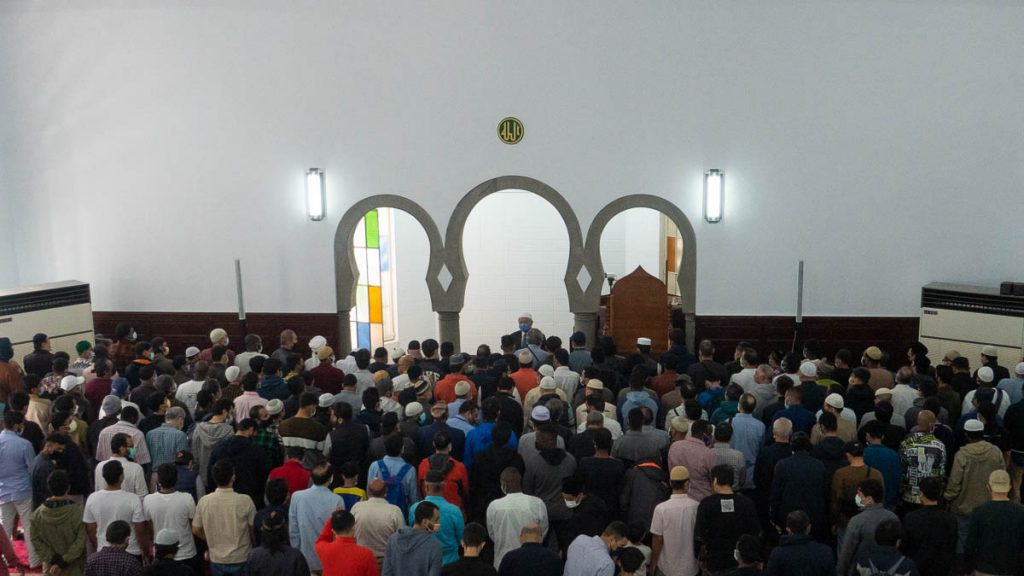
(531, 533)
(377, 489)
(925, 421)
(782, 429)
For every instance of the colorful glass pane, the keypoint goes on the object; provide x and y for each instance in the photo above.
(373, 267)
(359, 238)
(363, 335)
(360, 255)
(372, 235)
(362, 304)
(376, 312)
(376, 336)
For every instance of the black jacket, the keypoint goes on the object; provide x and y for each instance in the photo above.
(531, 560)
(485, 477)
(800, 554)
(799, 484)
(350, 442)
(252, 466)
(38, 362)
(930, 536)
(644, 487)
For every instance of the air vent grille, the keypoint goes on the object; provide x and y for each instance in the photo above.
(977, 299)
(44, 299)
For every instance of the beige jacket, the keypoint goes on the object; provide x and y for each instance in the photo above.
(968, 479)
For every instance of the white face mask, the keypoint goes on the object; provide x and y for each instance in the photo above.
(571, 504)
(736, 555)
(227, 341)
(858, 501)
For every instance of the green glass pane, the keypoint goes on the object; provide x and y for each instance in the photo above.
(372, 236)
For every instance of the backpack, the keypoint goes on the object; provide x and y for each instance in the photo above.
(443, 463)
(396, 492)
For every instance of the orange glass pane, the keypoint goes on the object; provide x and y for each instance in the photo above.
(376, 307)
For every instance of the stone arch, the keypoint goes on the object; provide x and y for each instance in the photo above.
(346, 273)
(687, 277)
(455, 261)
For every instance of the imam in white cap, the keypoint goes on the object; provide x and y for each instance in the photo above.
(643, 341)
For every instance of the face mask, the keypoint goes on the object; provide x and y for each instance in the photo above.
(131, 453)
(571, 504)
(135, 335)
(151, 355)
(858, 501)
(524, 327)
(227, 341)
(259, 350)
(504, 490)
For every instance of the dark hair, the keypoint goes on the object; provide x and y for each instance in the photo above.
(828, 421)
(603, 438)
(635, 418)
(797, 522)
(861, 373)
(468, 406)
(277, 491)
(637, 531)
(250, 381)
(342, 521)
(113, 472)
(370, 398)
(961, 363)
(888, 533)
(58, 483)
(474, 534)
(873, 488)
(350, 469)
(130, 414)
(167, 475)
(274, 531)
(723, 475)
(271, 366)
(393, 445)
(256, 364)
(141, 346)
(60, 364)
(362, 357)
(733, 391)
(783, 384)
(321, 475)
(342, 411)
(562, 355)
(155, 400)
(931, 487)
(748, 402)
(13, 418)
(800, 442)
(147, 372)
(441, 440)
(617, 529)
(308, 399)
(501, 433)
(118, 532)
(424, 510)
(749, 547)
(223, 471)
(692, 409)
(723, 432)
(490, 409)
(18, 401)
(118, 441)
(630, 559)
(247, 424)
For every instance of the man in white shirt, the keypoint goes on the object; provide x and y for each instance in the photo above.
(168, 509)
(506, 516)
(672, 529)
(903, 394)
(122, 449)
(745, 377)
(188, 391)
(253, 349)
(111, 504)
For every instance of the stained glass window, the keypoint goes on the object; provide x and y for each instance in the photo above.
(373, 319)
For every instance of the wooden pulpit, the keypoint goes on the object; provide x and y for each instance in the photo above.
(638, 307)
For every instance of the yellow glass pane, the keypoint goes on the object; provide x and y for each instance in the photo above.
(376, 308)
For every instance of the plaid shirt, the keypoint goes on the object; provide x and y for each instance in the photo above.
(269, 439)
(113, 562)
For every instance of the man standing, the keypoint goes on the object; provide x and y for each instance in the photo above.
(930, 532)
(972, 466)
(799, 484)
(224, 519)
(747, 436)
(721, 519)
(922, 456)
(798, 553)
(507, 516)
(337, 549)
(996, 531)
(450, 530)
(474, 539)
(58, 533)
(253, 349)
(310, 509)
(693, 455)
(122, 449)
(16, 456)
(170, 510)
(166, 440)
(115, 559)
(860, 532)
(673, 529)
(532, 558)
(40, 360)
(249, 460)
(413, 551)
(591, 555)
(110, 505)
(376, 519)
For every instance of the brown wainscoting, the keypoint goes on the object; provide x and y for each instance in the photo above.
(184, 329)
(891, 334)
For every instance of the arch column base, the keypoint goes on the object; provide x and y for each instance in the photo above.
(586, 322)
(448, 328)
(344, 333)
(691, 331)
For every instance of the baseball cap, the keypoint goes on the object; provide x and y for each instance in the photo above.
(70, 382)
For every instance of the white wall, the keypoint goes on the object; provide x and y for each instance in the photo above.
(632, 238)
(880, 141)
(414, 317)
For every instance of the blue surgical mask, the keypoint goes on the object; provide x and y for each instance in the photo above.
(524, 327)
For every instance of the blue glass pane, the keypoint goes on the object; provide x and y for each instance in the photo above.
(363, 335)
(385, 254)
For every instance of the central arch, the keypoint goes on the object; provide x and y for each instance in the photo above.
(455, 262)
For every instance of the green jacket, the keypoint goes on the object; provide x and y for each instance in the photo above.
(58, 535)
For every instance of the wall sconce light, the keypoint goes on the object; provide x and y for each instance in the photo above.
(714, 195)
(316, 194)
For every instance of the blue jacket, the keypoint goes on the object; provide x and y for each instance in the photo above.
(800, 554)
(274, 387)
(636, 399)
(479, 439)
(803, 419)
(888, 463)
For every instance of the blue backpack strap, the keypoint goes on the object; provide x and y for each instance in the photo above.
(385, 474)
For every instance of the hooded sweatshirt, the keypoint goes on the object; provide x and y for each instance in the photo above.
(412, 552)
(59, 535)
(206, 437)
(968, 478)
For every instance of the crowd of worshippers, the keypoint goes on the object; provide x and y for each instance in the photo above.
(543, 458)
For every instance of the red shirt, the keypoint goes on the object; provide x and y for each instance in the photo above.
(664, 383)
(294, 475)
(96, 390)
(327, 378)
(455, 478)
(343, 557)
(445, 388)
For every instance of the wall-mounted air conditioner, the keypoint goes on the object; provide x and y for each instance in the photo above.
(61, 310)
(966, 318)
